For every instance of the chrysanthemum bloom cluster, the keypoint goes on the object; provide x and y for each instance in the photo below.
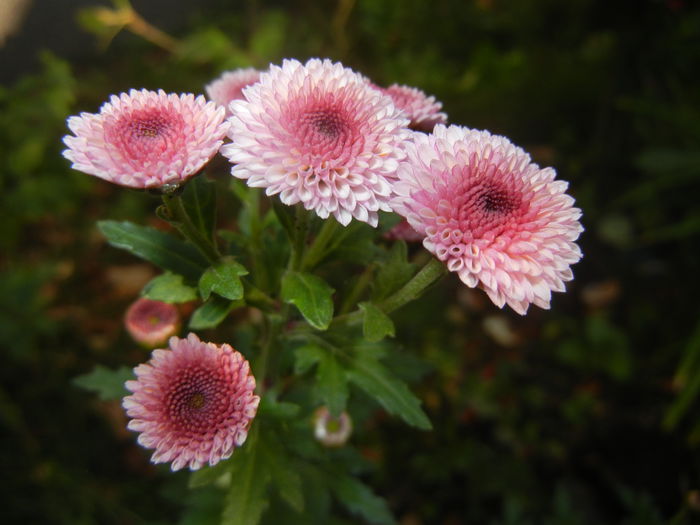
(145, 139)
(331, 431)
(423, 111)
(151, 322)
(229, 86)
(193, 403)
(320, 134)
(491, 214)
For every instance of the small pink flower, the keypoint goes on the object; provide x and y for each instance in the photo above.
(422, 110)
(403, 232)
(145, 139)
(193, 403)
(319, 134)
(331, 431)
(493, 216)
(229, 86)
(150, 322)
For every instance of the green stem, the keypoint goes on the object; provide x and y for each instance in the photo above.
(318, 248)
(301, 226)
(181, 220)
(428, 275)
(361, 284)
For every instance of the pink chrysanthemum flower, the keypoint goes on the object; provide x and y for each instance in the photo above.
(145, 139)
(423, 111)
(192, 403)
(150, 322)
(319, 134)
(491, 214)
(229, 86)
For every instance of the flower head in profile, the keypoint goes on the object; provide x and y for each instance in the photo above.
(331, 431)
(493, 216)
(423, 111)
(193, 403)
(229, 86)
(146, 139)
(320, 134)
(150, 322)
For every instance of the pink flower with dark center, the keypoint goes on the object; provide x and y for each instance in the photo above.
(151, 322)
(193, 403)
(319, 134)
(493, 216)
(422, 110)
(145, 139)
(229, 86)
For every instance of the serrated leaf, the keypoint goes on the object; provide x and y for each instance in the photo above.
(332, 384)
(169, 288)
(270, 407)
(207, 475)
(359, 499)
(155, 246)
(224, 279)
(390, 392)
(307, 356)
(109, 384)
(284, 473)
(211, 313)
(376, 325)
(199, 201)
(394, 273)
(311, 295)
(246, 498)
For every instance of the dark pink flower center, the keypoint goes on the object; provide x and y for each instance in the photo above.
(147, 134)
(197, 400)
(494, 199)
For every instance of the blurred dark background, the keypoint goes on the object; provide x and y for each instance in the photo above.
(587, 413)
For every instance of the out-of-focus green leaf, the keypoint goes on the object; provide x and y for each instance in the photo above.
(224, 278)
(250, 476)
(169, 288)
(311, 295)
(207, 475)
(332, 384)
(108, 384)
(359, 499)
(376, 325)
(155, 246)
(394, 273)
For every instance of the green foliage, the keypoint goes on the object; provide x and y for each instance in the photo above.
(155, 246)
(311, 295)
(108, 384)
(170, 288)
(224, 279)
(211, 313)
(376, 325)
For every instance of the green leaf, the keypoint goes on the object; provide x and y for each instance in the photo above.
(270, 407)
(332, 384)
(246, 499)
(109, 384)
(390, 392)
(224, 278)
(155, 246)
(376, 325)
(307, 356)
(199, 200)
(207, 475)
(284, 473)
(311, 295)
(359, 499)
(394, 273)
(211, 313)
(170, 288)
